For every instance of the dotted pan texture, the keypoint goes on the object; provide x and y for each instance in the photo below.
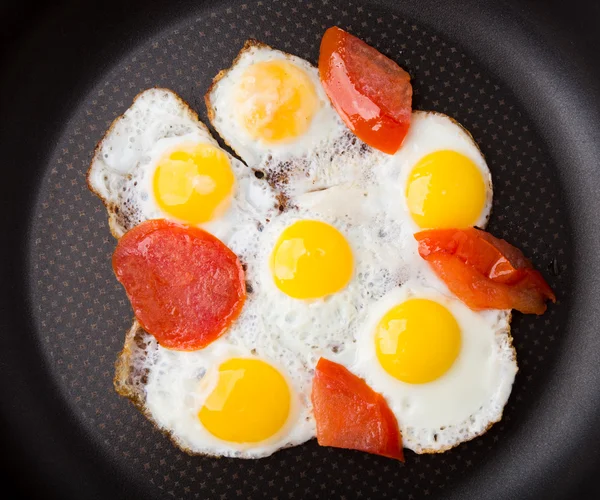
(82, 313)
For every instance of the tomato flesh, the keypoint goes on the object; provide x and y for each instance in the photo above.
(185, 286)
(483, 271)
(349, 414)
(370, 92)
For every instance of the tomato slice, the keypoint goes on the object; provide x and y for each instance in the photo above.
(349, 414)
(371, 93)
(483, 271)
(185, 286)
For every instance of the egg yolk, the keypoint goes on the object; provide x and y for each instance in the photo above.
(311, 259)
(194, 183)
(445, 190)
(417, 341)
(276, 101)
(250, 402)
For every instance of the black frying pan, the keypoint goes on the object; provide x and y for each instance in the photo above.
(523, 78)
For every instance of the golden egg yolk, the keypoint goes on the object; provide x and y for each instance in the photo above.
(250, 402)
(193, 183)
(417, 341)
(276, 101)
(311, 259)
(445, 190)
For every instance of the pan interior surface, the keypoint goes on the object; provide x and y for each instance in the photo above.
(79, 312)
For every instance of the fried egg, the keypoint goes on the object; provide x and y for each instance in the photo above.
(439, 175)
(223, 400)
(446, 371)
(159, 161)
(271, 108)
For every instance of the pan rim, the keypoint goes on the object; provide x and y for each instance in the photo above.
(561, 146)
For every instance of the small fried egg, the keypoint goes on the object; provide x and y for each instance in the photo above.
(319, 267)
(159, 161)
(440, 177)
(223, 400)
(446, 371)
(271, 108)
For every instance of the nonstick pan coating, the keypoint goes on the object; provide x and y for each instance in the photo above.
(518, 83)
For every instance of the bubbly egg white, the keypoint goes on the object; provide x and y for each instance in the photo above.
(327, 326)
(126, 159)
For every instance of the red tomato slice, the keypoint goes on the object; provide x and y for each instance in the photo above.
(349, 414)
(483, 271)
(371, 93)
(185, 286)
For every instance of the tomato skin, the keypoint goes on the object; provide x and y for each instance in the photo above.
(185, 286)
(483, 271)
(349, 414)
(370, 92)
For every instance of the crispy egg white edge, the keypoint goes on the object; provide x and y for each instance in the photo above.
(98, 167)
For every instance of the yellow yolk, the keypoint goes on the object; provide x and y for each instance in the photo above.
(311, 259)
(276, 101)
(445, 190)
(194, 183)
(250, 402)
(417, 341)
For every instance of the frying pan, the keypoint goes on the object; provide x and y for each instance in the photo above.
(520, 76)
